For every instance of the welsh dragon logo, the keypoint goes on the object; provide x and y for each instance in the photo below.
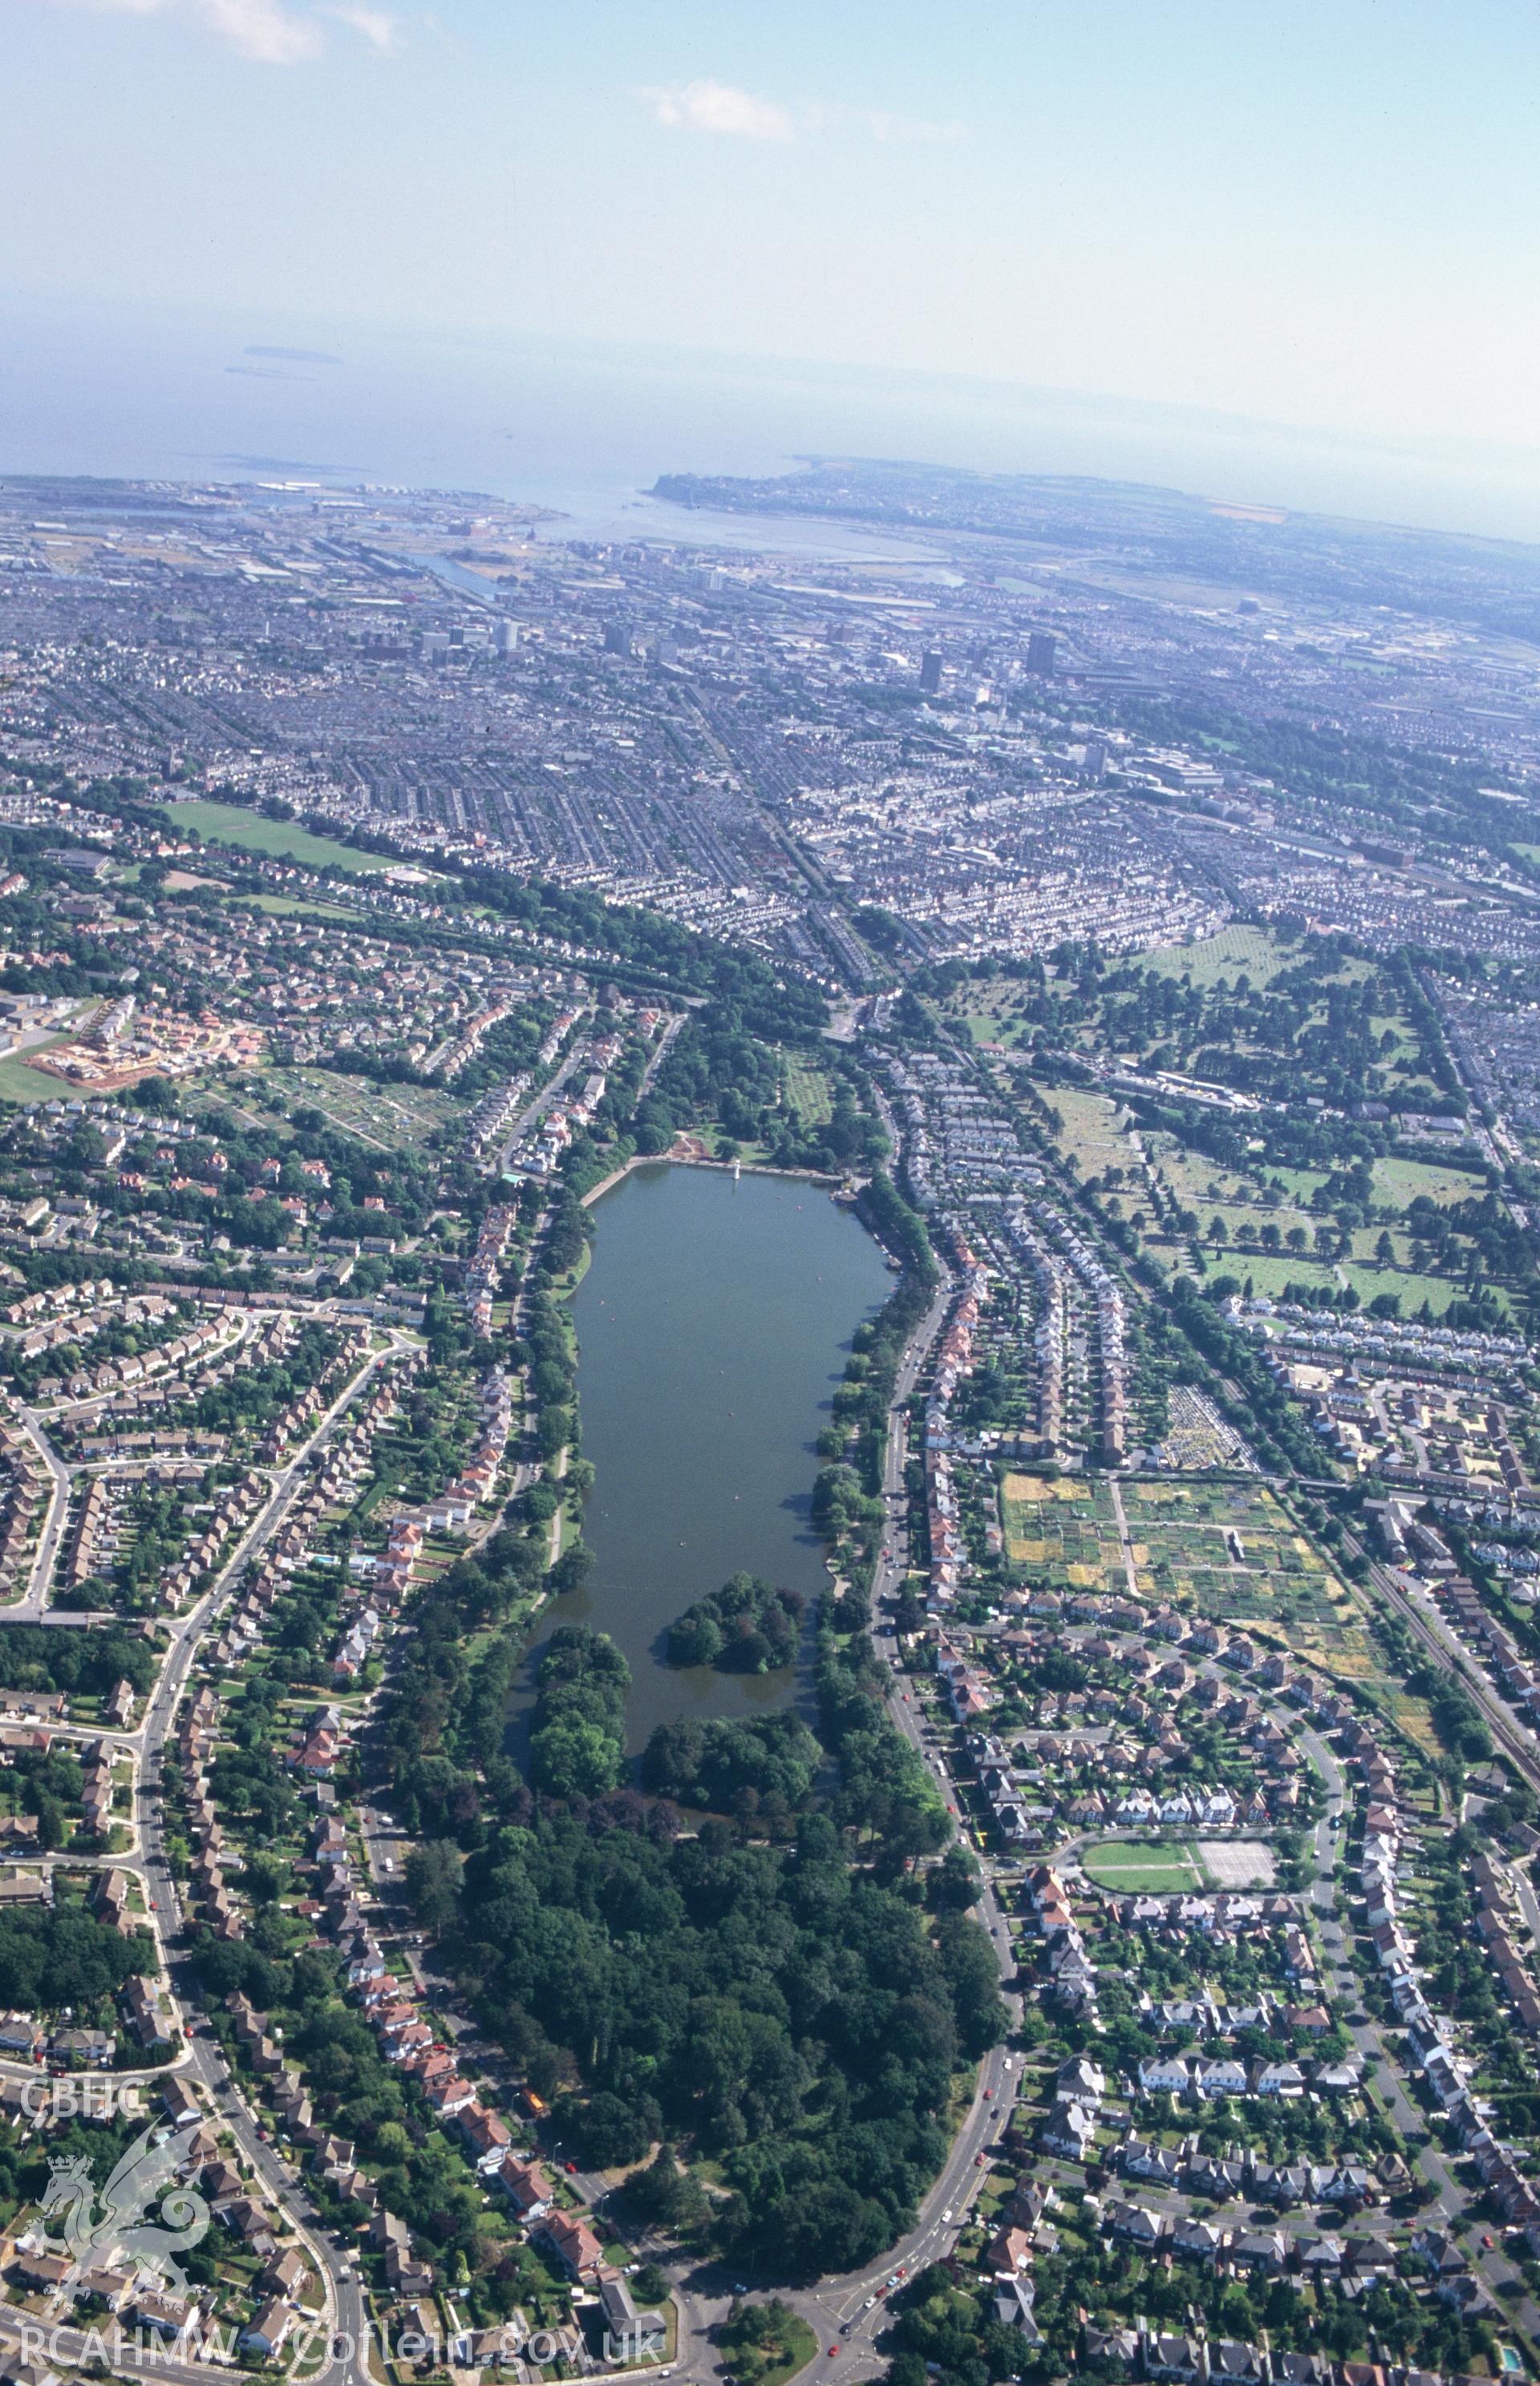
(112, 2228)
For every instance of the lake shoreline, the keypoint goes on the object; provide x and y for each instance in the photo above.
(694, 1159)
(713, 1325)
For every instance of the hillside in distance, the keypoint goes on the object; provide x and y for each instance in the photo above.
(1490, 584)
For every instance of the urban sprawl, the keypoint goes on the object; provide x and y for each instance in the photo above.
(1113, 1945)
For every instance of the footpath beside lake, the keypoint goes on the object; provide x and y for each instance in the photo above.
(713, 1322)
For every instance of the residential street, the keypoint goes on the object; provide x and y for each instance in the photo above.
(203, 2061)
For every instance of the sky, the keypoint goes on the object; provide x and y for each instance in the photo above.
(1313, 215)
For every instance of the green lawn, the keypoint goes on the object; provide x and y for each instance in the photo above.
(796, 2345)
(985, 1027)
(1237, 1214)
(1401, 1181)
(1093, 1130)
(1438, 1291)
(1298, 1183)
(1141, 1865)
(1255, 951)
(19, 1083)
(1270, 1271)
(235, 826)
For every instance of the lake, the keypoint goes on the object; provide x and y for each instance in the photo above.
(713, 1323)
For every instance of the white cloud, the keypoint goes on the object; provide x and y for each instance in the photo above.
(115, 7)
(270, 32)
(375, 26)
(263, 30)
(706, 107)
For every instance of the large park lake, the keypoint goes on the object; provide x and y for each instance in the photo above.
(713, 1325)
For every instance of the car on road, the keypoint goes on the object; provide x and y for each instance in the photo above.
(946, 2219)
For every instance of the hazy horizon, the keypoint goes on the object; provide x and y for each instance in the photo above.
(137, 392)
(1251, 255)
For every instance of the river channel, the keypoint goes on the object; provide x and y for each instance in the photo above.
(713, 1325)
